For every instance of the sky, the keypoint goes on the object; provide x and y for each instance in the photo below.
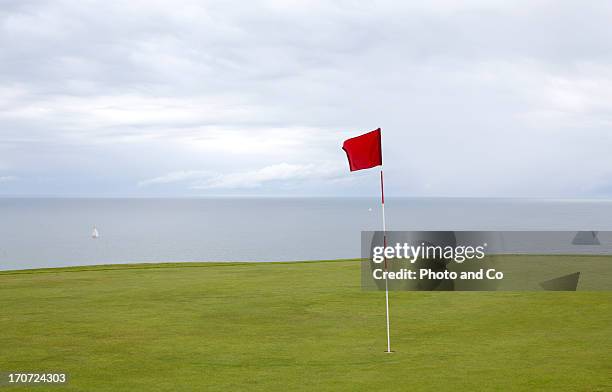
(254, 98)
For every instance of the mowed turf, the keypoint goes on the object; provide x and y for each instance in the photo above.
(294, 326)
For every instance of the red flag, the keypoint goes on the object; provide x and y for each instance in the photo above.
(364, 151)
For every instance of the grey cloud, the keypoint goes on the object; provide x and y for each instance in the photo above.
(254, 178)
(475, 98)
(7, 178)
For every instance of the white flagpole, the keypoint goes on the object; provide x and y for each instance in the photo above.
(382, 200)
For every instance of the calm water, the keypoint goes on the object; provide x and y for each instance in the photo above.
(57, 232)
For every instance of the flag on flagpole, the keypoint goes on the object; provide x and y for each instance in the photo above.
(364, 151)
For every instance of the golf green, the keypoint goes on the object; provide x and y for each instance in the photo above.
(293, 326)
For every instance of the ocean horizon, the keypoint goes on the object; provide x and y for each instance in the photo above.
(45, 232)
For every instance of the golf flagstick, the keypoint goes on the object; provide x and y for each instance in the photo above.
(384, 225)
(365, 152)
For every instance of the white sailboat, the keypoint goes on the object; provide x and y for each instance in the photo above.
(94, 233)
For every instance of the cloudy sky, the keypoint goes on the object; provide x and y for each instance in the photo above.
(181, 98)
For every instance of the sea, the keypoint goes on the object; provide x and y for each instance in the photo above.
(56, 232)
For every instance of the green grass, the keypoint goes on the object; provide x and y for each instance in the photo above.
(293, 326)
